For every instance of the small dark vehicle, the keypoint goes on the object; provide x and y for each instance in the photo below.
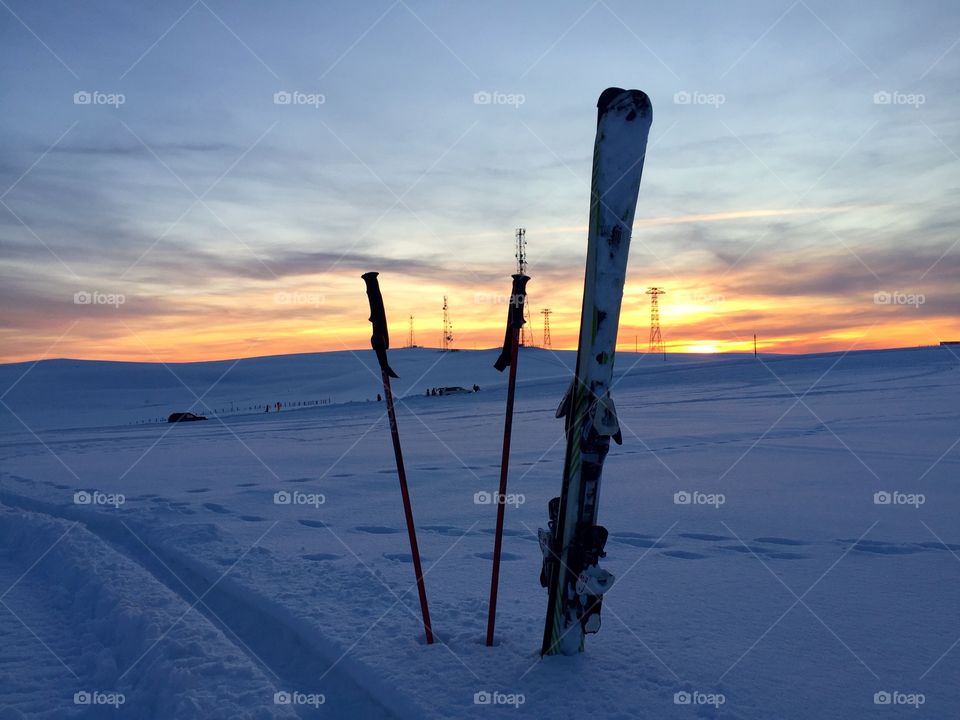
(184, 417)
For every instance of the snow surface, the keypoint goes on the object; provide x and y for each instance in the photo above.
(199, 596)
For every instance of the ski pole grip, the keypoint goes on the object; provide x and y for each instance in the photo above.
(378, 316)
(518, 298)
(380, 340)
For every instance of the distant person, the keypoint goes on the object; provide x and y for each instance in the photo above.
(379, 399)
(266, 408)
(428, 392)
(476, 388)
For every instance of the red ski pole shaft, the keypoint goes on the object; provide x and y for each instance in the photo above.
(501, 496)
(407, 509)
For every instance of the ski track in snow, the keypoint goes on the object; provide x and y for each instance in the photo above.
(329, 588)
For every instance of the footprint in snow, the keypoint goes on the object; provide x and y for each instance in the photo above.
(199, 490)
(503, 556)
(633, 535)
(252, 518)
(300, 480)
(636, 542)
(321, 557)
(707, 537)
(683, 555)
(313, 523)
(217, 508)
(939, 546)
(342, 475)
(247, 484)
(376, 529)
(779, 541)
(444, 530)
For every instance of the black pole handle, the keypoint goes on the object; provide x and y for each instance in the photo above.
(380, 340)
(518, 298)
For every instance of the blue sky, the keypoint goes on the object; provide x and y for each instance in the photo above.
(786, 191)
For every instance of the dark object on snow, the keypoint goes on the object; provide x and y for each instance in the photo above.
(455, 390)
(378, 317)
(184, 417)
(476, 388)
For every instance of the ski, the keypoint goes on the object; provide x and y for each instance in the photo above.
(574, 544)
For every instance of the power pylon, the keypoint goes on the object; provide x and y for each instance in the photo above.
(547, 342)
(446, 342)
(656, 339)
(411, 343)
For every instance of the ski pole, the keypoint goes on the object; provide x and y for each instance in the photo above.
(508, 356)
(380, 340)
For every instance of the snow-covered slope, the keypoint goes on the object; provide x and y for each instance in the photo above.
(796, 597)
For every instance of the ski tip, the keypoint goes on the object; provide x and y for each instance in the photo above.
(615, 97)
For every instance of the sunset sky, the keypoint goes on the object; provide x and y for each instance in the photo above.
(801, 183)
